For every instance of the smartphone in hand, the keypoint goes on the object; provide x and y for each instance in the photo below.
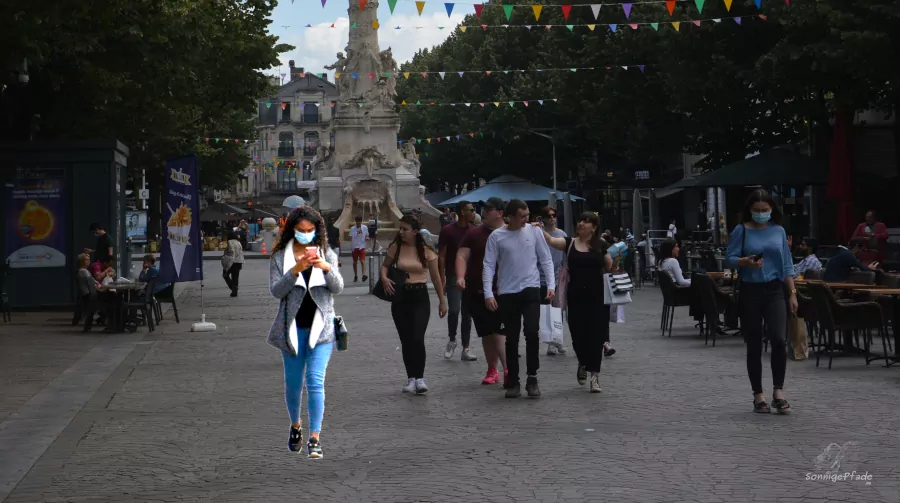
(757, 258)
(311, 253)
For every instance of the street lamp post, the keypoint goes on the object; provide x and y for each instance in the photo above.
(553, 143)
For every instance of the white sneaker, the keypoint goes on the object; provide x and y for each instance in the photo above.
(552, 350)
(595, 384)
(451, 348)
(410, 386)
(468, 355)
(560, 348)
(421, 387)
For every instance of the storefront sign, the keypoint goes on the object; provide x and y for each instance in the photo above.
(136, 226)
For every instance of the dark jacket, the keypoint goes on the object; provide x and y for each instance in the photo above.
(839, 266)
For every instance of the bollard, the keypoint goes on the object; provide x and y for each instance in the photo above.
(375, 260)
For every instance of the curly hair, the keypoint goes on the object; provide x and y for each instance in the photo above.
(312, 216)
(413, 222)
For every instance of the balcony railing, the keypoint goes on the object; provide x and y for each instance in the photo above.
(305, 118)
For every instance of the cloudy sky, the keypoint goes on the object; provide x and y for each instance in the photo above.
(317, 46)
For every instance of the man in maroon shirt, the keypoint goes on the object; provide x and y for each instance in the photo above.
(876, 235)
(448, 243)
(469, 265)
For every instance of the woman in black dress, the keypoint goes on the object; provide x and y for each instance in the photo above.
(588, 316)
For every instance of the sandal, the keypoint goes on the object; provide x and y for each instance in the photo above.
(781, 405)
(761, 407)
(608, 350)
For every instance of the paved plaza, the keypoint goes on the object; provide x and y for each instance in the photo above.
(181, 416)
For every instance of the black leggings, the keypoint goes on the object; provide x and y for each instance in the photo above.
(589, 327)
(411, 311)
(233, 276)
(764, 302)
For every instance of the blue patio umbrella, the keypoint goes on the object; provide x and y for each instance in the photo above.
(505, 187)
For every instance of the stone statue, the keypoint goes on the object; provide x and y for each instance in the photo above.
(370, 159)
(367, 122)
(389, 65)
(408, 150)
(323, 161)
(339, 67)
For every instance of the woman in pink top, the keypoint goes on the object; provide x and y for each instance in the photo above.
(411, 307)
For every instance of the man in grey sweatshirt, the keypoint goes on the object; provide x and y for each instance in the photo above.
(513, 252)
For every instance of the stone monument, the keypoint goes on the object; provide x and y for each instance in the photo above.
(367, 173)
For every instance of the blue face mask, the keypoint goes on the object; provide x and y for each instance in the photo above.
(305, 238)
(762, 218)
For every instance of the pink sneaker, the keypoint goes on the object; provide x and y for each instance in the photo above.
(491, 377)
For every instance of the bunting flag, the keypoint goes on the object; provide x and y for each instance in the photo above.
(375, 24)
(566, 8)
(478, 104)
(487, 73)
(225, 140)
(450, 137)
(570, 27)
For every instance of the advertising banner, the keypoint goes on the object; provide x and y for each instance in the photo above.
(182, 250)
(136, 226)
(35, 209)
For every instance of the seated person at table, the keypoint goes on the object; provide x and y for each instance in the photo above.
(810, 261)
(90, 290)
(668, 262)
(150, 271)
(101, 271)
(841, 265)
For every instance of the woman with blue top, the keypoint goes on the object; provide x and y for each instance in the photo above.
(759, 249)
(304, 277)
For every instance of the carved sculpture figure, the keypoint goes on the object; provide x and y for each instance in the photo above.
(408, 150)
(323, 161)
(371, 159)
(389, 68)
(367, 122)
(339, 67)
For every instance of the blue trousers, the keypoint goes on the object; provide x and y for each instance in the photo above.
(309, 365)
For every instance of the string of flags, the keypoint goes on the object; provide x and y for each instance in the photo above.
(488, 73)
(225, 140)
(481, 104)
(460, 136)
(566, 8)
(591, 26)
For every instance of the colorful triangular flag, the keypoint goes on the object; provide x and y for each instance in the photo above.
(737, 20)
(591, 27)
(595, 8)
(419, 6)
(391, 4)
(353, 25)
(613, 27)
(442, 74)
(362, 4)
(670, 4)
(676, 25)
(375, 24)
(541, 102)
(424, 74)
(460, 73)
(478, 9)
(507, 9)
(696, 22)
(571, 27)
(566, 9)
(405, 75)
(655, 26)
(758, 4)
(449, 7)
(627, 8)
(728, 5)
(537, 11)
(700, 5)
(463, 28)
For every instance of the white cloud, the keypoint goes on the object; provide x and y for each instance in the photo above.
(317, 46)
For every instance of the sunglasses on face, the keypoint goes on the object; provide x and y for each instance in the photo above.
(552, 215)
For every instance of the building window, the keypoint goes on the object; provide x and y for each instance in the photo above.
(311, 113)
(286, 180)
(285, 112)
(286, 144)
(310, 143)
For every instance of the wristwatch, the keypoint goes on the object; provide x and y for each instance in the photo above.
(793, 291)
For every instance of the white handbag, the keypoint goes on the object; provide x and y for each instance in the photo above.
(617, 289)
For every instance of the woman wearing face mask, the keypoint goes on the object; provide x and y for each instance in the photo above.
(304, 277)
(411, 307)
(759, 249)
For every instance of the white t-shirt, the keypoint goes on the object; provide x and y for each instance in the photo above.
(672, 231)
(516, 256)
(358, 236)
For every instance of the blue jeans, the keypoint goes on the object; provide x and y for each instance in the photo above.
(311, 364)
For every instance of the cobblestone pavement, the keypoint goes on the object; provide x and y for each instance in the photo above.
(200, 417)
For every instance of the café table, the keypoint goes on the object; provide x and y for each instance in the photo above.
(840, 285)
(895, 294)
(123, 291)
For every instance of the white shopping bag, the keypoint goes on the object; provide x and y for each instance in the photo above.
(617, 289)
(551, 325)
(617, 314)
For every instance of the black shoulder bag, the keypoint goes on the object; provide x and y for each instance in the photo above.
(736, 281)
(395, 274)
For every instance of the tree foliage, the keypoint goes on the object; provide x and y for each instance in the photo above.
(156, 74)
(719, 89)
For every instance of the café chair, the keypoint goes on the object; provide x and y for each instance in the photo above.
(848, 319)
(673, 296)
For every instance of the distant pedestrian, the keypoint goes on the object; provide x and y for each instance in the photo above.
(304, 277)
(359, 234)
(549, 222)
(232, 262)
(411, 307)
